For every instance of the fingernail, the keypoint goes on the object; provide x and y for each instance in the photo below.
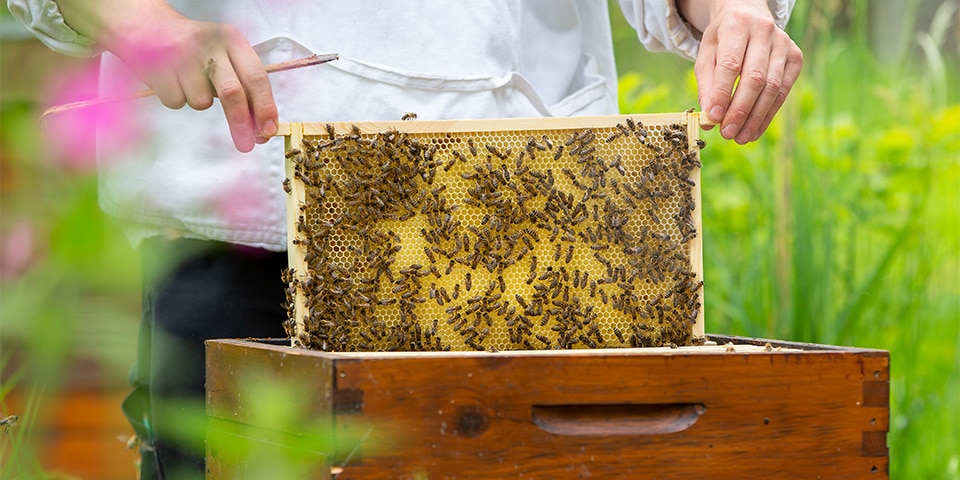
(716, 114)
(269, 128)
(745, 136)
(729, 131)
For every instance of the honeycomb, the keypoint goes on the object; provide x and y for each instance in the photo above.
(494, 235)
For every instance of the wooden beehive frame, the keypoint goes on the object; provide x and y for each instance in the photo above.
(299, 134)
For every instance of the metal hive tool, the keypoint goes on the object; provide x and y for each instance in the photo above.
(494, 234)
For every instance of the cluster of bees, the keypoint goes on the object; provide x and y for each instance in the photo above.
(502, 240)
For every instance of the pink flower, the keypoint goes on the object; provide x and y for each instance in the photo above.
(71, 135)
(18, 251)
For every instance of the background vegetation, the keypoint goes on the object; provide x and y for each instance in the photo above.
(841, 226)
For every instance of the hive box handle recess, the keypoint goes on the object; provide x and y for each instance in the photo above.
(624, 419)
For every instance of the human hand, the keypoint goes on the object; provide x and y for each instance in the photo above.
(191, 62)
(742, 41)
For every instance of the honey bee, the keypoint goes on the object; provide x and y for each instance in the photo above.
(286, 186)
(548, 142)
(619, 334)
(409, 116)
(8, 422)
(616, 163)
(653, 216)
(450, 163)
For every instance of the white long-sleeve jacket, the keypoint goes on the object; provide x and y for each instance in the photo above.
(439, 58)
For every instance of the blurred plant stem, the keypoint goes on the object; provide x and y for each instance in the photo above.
(783, 237)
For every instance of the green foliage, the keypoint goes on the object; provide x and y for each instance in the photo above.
(18, 447)
(841, 225)
(273, 441)
(77, 296)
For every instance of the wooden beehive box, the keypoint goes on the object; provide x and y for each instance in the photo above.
(428, 343)
(786, 410)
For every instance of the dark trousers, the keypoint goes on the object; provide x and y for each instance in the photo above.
(193, 291)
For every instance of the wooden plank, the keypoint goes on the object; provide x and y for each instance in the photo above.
(741, 345)
(239, 451)
(236, 369)
(796, 414)
(295, 197)
(693, 124)
(242, 438)
(481, 125)
(738, 341)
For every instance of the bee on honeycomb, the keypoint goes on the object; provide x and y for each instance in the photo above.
(494, 240)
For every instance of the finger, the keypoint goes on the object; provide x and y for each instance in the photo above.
(703, 71)
(765, 99)
(791, 73)
(167, 86)
(777, 103)
(753, 79)
(195, 83)
(233, 99)
(728, 63)
(256, 84)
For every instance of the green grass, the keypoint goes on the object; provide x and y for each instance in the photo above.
(841, 225)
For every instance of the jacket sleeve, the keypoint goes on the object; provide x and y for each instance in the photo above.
(661, 28)
(43, 19)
